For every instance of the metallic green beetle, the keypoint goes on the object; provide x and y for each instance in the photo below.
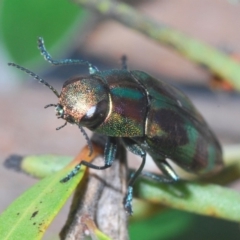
(148, 115)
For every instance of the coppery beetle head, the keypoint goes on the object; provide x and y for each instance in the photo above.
(83, 101)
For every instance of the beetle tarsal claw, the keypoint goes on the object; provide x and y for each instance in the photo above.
(128, 200)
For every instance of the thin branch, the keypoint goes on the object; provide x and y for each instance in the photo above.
(196, 51)
(101, 200)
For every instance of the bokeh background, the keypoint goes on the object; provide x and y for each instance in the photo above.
(71, 32)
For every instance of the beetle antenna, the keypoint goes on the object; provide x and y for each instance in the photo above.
(58, 128)
(48, 57)
(35, 76)
(89, 143)
(51, 105)
(124, 62)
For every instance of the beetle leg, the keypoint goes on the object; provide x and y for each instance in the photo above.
(169, 174)
(109, 156)
(135, 149)
(168, 171)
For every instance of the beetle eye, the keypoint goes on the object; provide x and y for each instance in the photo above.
(91, 112)
(59, 111)
(95, 115)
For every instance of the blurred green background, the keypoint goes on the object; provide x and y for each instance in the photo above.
(23, 21)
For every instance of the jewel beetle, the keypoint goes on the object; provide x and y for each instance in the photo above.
(146, 114)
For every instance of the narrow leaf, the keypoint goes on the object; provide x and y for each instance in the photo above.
(29, 216)
(206, 199)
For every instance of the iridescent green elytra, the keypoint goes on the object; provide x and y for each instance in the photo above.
(148, 115)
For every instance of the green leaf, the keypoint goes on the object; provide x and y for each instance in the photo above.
(166, 225)
(174, 224)
(21, 22)
(101, 235)
(206, 199)
(29, 216)
(41, 166)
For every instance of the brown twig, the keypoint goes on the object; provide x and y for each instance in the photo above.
(101, 199)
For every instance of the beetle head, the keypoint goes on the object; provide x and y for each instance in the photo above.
(83, 101)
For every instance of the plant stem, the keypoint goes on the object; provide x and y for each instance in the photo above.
(193, 49)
